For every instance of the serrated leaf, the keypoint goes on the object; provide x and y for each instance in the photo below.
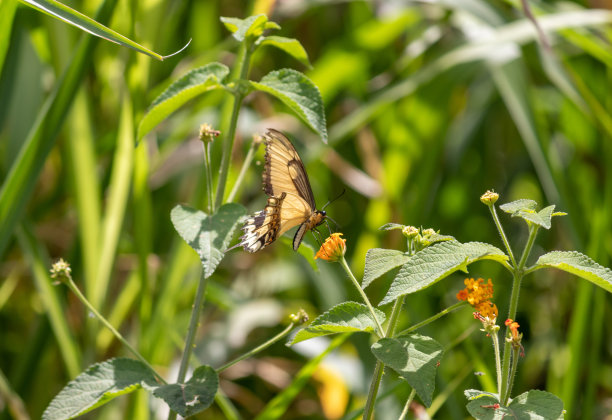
(196, 395)
(436, 262)
(391, 226)
(291, 46)
(194, 83)
(541, 218)
(345, 317)
(298, 92)
(208, 235)
(253, 26)
(532, 405)
(519, 205)
(99, 384)
(435, 238)
(379, 261)
(415, 358)
(580, 265)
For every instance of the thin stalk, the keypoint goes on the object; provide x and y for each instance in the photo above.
(498, 369)
(208, 176)
(433, 318)
(376, 378)
(379, 329)
(515, 358)
(500, 229)
(258, 348)
(228, 143)
(73, 287)
(514, 297)
(193, 324)
(245, 166)
(407, 405)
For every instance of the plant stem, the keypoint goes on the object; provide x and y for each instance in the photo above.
(500, 229)
(514, 297)
(244, 57)
(108, 325)
(515, 358)
(258, 348)
(498, 369)
(208, 176)
(407, 405)
(376, 378)
(245, 165)
(379, 329)
(193, 324)
(433, 318)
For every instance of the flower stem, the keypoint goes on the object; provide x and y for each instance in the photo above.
(258, 348)
(433, 318)
(108, 325)
(515, 358)
(376, 378)
(208, 175)
(379, 329)
(514, 297)
(243, 61)
(193, 324)
(496, 350)
(500, 229)
(245, 165)
(407, 405)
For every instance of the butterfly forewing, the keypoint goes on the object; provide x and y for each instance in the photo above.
(290, 201)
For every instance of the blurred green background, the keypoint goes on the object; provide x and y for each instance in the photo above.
(428, 104)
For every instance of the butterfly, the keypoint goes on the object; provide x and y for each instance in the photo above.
(290, 198)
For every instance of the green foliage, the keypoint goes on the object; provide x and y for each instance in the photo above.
(195, 395)
(99, 384)
(344, 317)
(437, 262)
(194, 83)
(415, 358)
(528, 406)
(208, 235)
(578, 264)
(297, 92)
(379, 261)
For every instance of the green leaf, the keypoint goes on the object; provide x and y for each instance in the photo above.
(99, 384)
(345, 317)
(391, 226)
(515, 207)
(436, 262)
(251, 27)
(532, 405)
(379, 261)
(291, 46)
(208, 235)
(526, 210)
(75, 18)
(470, 394)
(298, 92)
(415, 358)
(580, 265)
(196, 395)
(197, 81)
(7, 17)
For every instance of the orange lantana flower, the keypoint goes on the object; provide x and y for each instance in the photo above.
(477, 293)
(333, 248)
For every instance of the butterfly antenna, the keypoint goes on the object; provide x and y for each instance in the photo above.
(327, 219)
(331, 201)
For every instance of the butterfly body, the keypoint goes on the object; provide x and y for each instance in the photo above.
(290, 199)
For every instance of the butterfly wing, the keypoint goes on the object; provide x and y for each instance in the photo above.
(284, 170)
(290, 201)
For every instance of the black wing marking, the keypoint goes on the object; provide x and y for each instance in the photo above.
(280, 148)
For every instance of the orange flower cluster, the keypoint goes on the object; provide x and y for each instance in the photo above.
(514, 326)
(333, 248)
(477, 293)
